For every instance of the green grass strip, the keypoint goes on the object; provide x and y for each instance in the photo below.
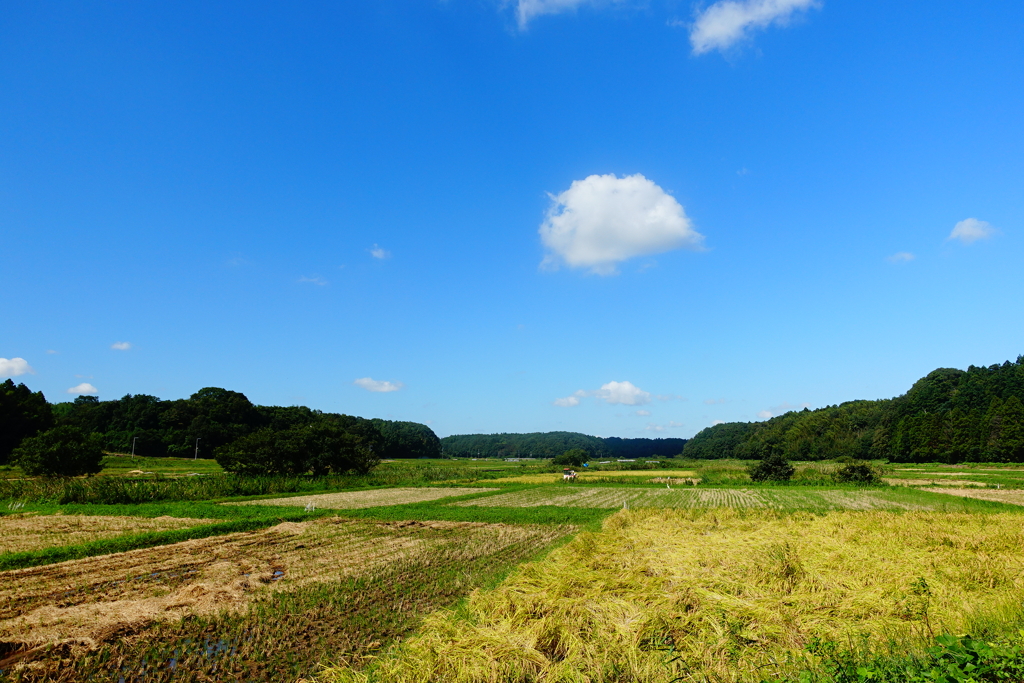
(120, 544)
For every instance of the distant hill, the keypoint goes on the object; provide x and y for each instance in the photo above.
(951, 415)
(550, 444)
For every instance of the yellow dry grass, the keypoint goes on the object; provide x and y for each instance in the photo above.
(20, 533)
(736, 596)
(354, 500)
(88, 601)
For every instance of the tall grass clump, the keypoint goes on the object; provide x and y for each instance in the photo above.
(121, 490)
(721, 595)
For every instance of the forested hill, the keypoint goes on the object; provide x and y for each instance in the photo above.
(973, 415)
(550, 444)
(209, 419)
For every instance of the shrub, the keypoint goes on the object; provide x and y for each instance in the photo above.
(63, 451)
(773, 467)
(857, 472)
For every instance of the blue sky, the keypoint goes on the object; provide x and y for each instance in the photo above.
(615, 217)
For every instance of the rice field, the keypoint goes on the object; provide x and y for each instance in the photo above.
(25, 532)
(693, 497)
(355, 500)
(722, 595)
(62, 615)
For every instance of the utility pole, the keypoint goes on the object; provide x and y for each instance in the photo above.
(196, 457)
(134, 439)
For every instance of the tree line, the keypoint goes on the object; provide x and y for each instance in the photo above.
(951, 416)
(212, 422)
(552, 444)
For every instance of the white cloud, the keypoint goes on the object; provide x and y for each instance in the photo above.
(625, 393)
(900, 257)
(52, 352)
(379, 252)
(83, 388)
(674, 425)
(765, 414)
(12, 367)
(612, 393)
(603, 219)
(971, 230)
(727, 22)
(371, 384)
(717, 422)
(121, 346)
(315, 280)
(652, 427)
(643, 413)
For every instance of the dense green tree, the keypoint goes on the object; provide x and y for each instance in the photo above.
(320, 447)
(574, 457)
(22, 414)
(408, 440)
(64, 451)
(718, 441)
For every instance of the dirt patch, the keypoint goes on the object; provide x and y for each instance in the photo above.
(19, 533)
(1011, 496)
(354, 500)
(932, 482)
(85, 602)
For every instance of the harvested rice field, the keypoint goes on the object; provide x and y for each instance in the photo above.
(1010, 496)
(691, 497)
(730, 596)
(585, 474)
(53, 616)
(355, 500)
(25, 532)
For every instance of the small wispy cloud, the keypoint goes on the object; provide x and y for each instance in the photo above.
(900, 257)
(567, 402)
(727, 22)
(379, 252)
(713, 401)
(315, 280)
(765, 414)
(12, 367)
(121, 346)
(52, 352)
(379, 386)
(970, 230)
(643, 413)
(717, 422)
(83, 389)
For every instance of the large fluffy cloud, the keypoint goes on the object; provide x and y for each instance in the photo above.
(612, 393)
(83, 388)
(727, 22)
(12, 367)
(603, 219)
(970, 230)
(371, 384)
